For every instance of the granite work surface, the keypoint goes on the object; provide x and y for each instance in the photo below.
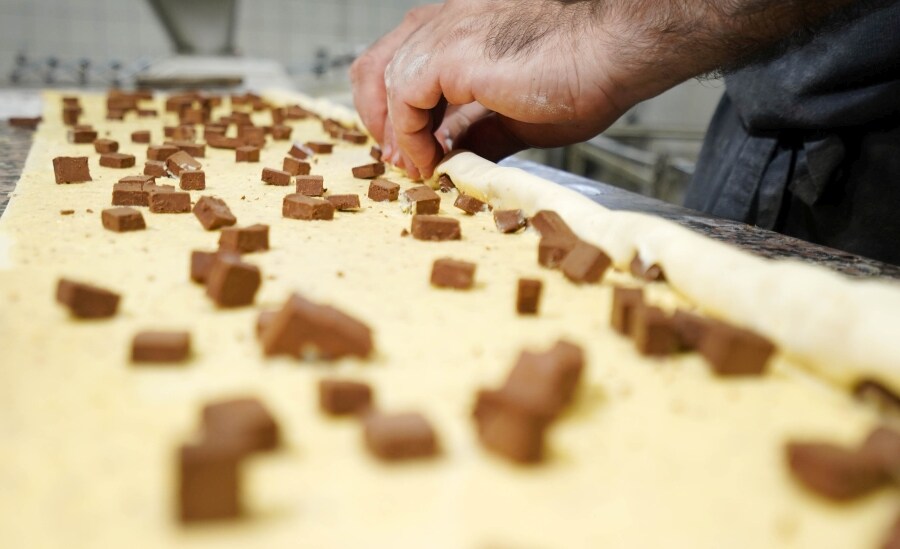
(15, 143)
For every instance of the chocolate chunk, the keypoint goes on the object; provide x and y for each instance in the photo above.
(469, 204)
(650, 273)
(232, 283)
(545, 383)
(834, 472)
(878, 394)
(117, 160)
(246, 154)
(170, 202)
(70, 115)
(445, 183)
(508, 429)
(245, 240)
(122, 220)
(883, 444)
(156, 168)
(301, 152)
(369, 171)
(147, 113)
(302, 327)
(276, 177)
(344, 202)
(252, 135)
(142, 136)
(449, 273)
(209, 482)
(217, 141)
(115, 115)
(552, 250)
(71, 169)
(161, 152)
(435, 227)
(183, 133)
(295, 167)
(691, 329)
(86, 301)
(509, 221)
(263, 321)
(182, 162)
(245, 422)
(319, 147)
(311, 185)
(393, 437)
(28, 123)
(528, 296)
(202, 263)
(376, 153)
(422, 200)
(550, 224)
(281, 132)
(161, 347)
(654, 333)
(586, 263)
(357, 138)
(82, 136)
(129, 194)
(213, 213)
(106, 146)
(299, 206)
(625, 303)
(338, 397)
(382, 190)
(192, 180)
(733, 351)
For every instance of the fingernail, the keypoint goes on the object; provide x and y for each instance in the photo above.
(386, 152)
(395, 158)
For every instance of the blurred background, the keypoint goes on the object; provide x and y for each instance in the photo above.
(307, 45)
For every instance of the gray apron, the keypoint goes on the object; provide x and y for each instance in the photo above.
(809, 144)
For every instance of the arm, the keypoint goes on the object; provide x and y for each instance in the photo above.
(555, 72)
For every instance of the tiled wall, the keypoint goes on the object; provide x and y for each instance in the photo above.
(127, 30)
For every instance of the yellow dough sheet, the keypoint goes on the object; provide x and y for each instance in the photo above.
(654, 453)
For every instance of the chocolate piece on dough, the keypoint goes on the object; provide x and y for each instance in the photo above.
(299, 206)
(246, 422)
(161, 347)
(445, 183)
(586, 263)
(232, 283)
(834, 472)
(469, 204)
(450, 273)
(301, 152)
(320, 147)
(71, 169)
(549, 223)
(509, 221)
(263, 320)
(170, 202)
(142, 136)
(393, 437)
(86, 301)
(528, 296)
(155, 168)
(276, 177)
(369, 171)
(246, 154)
(196, 150)
(382, 190)
(192, 180)
(311, 185)
(338, 397)
(650, 273)
(553, 249)
(213, 213)
(106, 146)
(654, 333)
(122, 219)
(545, 383)
(202, 262)
(117, 160)
(209, 482)
(82, 136)
(733, 351)
(691, 329)
(181, 162)
(161, 153)
(344, 202)
(295, 167)
(302, 326)
(435, 227)
(355, 137)
(245, 240)
(376, 153)
(281, 132)
(624, 304)
(422, 200)
(508, 429)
